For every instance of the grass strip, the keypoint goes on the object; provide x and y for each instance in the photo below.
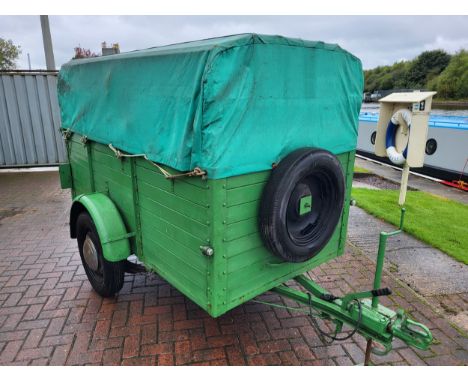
(439, 222)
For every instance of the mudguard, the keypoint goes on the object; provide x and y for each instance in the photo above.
(109, 224)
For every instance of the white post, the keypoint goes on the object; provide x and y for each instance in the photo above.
(404, 184)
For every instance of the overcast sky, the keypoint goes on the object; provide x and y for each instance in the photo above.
(377, 40)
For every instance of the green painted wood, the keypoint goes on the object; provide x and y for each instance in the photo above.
(79, 168)
(242, 228)
(247, 257)
(242, 211)
(173, 218)
(107, 159)
(245, 194)
(178, 273)
(138, 241)
(349, 185)
(247, 180)
(191, 255)
(174, 202)
(175, 232)
(217, 273)
(196, 193)
(235, 299)
(117, 191)
(194, 181)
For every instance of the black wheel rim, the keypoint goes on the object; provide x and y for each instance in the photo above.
(304, 223)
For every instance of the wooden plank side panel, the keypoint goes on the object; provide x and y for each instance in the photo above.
(106, 157)
(180, 266)
(108, 178)
(176, 273)
(262, 268)
(119, 189)
(173, 229)
(194, 190)
(351, 156)
(174, 239)
(247, 180)
(79, 167)
(174, 202)
(252, 269)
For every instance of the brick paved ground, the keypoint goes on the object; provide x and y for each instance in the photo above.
(50, 315)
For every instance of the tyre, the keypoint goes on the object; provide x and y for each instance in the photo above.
(301, 204)
(105, 277)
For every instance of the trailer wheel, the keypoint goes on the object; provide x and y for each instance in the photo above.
(301, 204)
(105, 277)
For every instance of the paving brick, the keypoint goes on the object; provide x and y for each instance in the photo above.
(33, 339)
(13, 298)
(34, 324)
(131, 346)
(28, 354)
(56, 325)
(13, 336)
(9, 352)
(235, 356)
(140, 361)
(274, 346)
(111, 357)
(288, 358)
(57, 340)
(279, 334)
(302, 350)
(33, 312)
(156, 349)
(59, 357)
(411, 357)
(344, 361)
(165, 360)
(355, 352)
(40, 362)
(49, 313)
(103, 344)
(208, 355)
(264, 359)
(445, 360)
(102, 329)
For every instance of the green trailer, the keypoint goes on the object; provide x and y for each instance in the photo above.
(225, 165)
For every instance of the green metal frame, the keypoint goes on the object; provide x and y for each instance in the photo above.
(109, 225)
(377, 323)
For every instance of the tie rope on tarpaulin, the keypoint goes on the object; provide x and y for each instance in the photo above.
(195, 172)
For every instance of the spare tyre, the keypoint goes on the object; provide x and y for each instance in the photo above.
(301, 204)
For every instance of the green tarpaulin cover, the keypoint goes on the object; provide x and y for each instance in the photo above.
(230, 105)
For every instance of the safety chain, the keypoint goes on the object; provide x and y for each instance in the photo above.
(195, 172)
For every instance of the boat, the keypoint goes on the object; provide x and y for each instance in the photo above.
(446, 149)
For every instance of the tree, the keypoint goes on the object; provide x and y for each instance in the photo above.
(453, 81)
(83, 53)
(425, 67)
(9, 53)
